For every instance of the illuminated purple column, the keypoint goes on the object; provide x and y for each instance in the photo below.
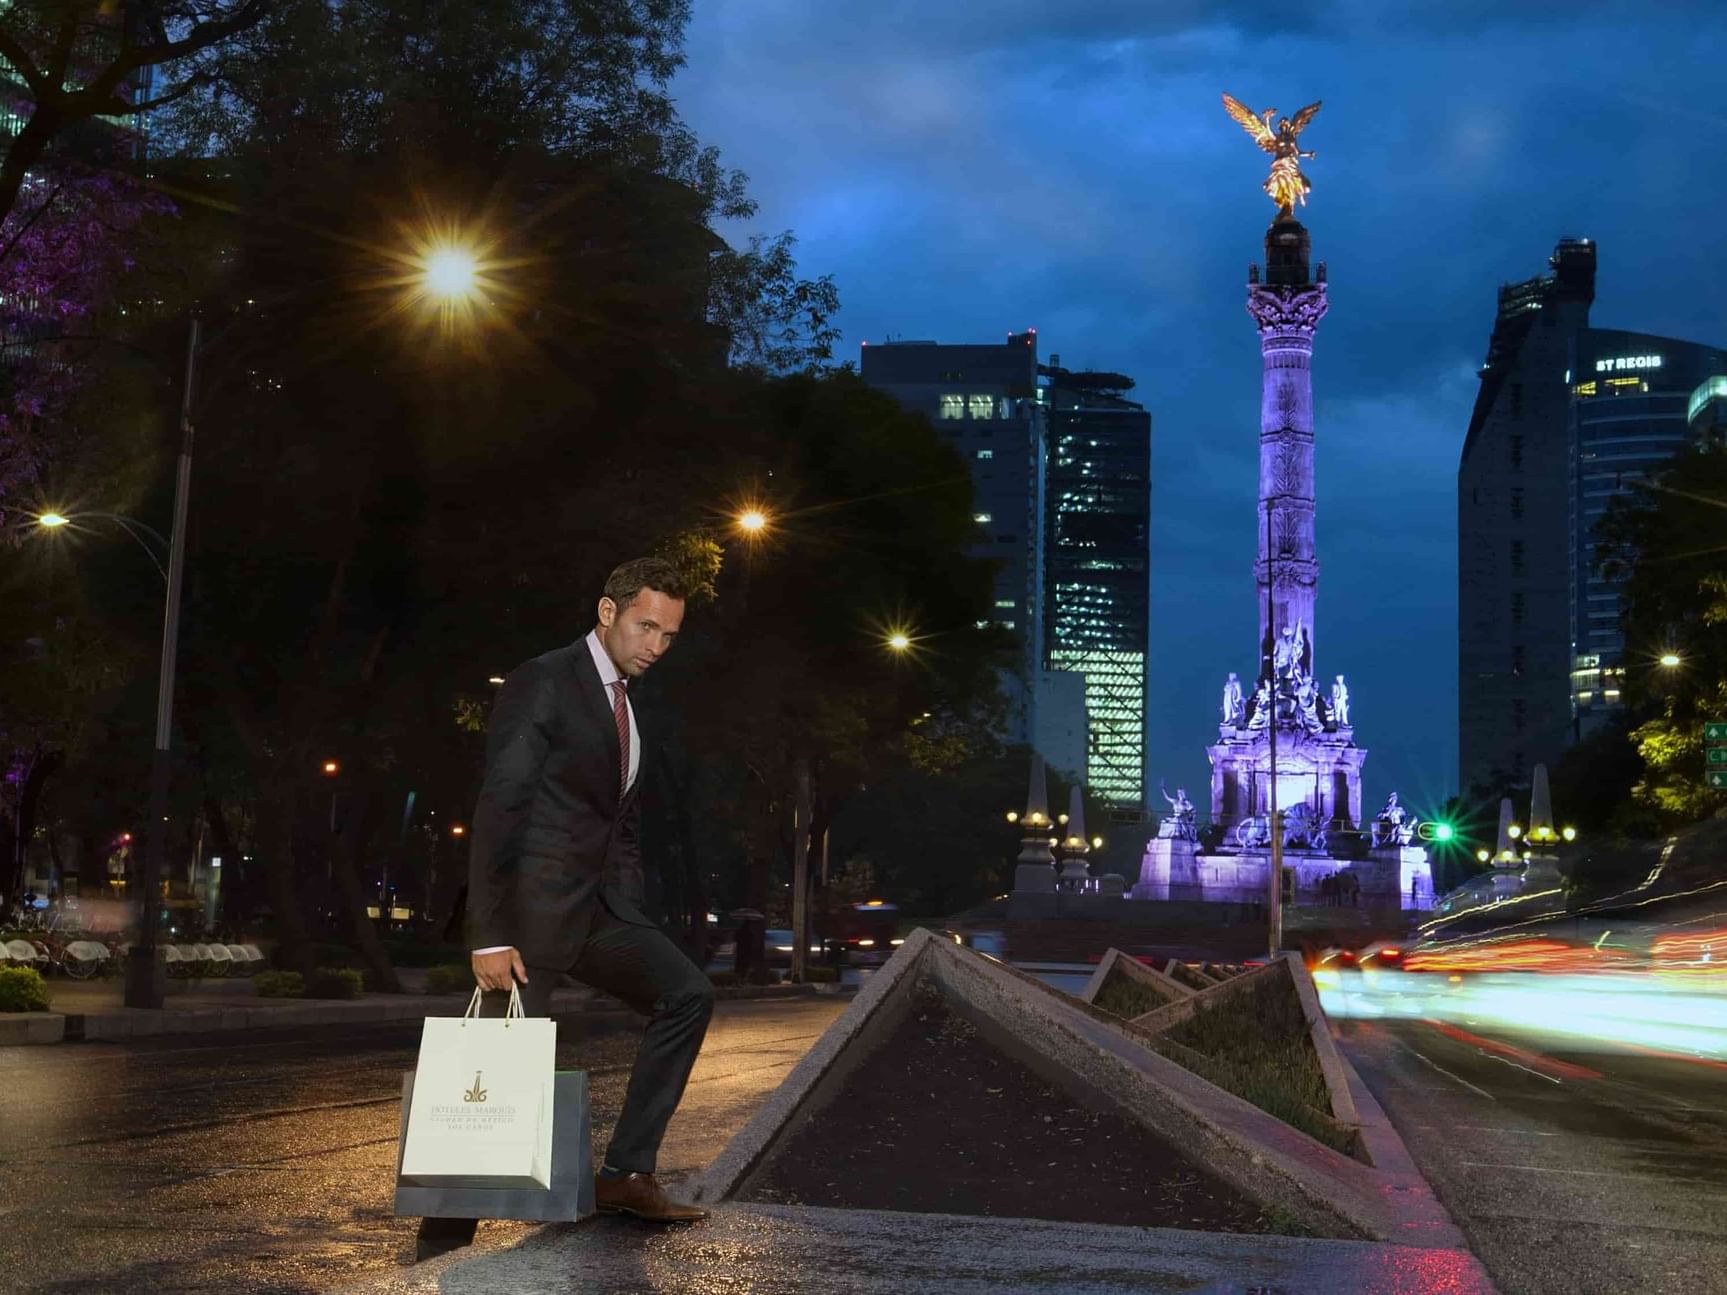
(1287, 308)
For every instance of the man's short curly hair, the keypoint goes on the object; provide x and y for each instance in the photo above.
(626, 583)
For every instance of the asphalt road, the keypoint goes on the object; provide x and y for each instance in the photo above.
(264, 1162)
(1571, 1171)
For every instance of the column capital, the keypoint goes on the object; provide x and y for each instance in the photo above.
(1282, 308)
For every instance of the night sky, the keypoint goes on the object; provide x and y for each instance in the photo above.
(967, 169)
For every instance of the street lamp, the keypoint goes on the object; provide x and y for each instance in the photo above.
(450, 273)
(1671, 660)
(752, 521)
(54, 521)
(899, 641)
(444, 272)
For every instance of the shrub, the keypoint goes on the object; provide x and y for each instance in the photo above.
(723, 979)
(336, 982)
(279, 984)
(22, 990)
(450, 978)
(762, 976)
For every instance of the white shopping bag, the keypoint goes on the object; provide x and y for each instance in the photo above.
(482, 1109)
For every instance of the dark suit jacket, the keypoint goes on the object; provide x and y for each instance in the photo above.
(550, 841)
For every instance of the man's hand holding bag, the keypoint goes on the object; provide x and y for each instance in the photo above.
(481, 1114)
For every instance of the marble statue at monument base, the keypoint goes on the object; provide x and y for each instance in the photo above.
(1391, 876)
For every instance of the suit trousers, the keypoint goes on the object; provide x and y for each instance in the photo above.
(640, 965)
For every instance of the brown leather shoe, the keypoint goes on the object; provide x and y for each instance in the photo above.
(640, 1195)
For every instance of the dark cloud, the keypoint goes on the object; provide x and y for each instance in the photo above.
(964, 169)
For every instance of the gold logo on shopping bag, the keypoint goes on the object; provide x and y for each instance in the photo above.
(476, 1093)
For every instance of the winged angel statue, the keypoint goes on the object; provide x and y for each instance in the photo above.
(1286, 185)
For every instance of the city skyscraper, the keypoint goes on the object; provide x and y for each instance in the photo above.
(1568, 417)
(1706, 412)
(983, 400)
(1631, 396)
(1061, 468)
(1096, 561)
(1513, 513)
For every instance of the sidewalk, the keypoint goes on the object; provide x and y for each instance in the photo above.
(92, 1010)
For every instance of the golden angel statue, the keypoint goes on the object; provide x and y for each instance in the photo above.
(1286, 185)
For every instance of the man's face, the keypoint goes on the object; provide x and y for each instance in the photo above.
(642, 633)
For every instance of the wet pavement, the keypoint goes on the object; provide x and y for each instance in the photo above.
(262, 1162)
(798, 1250)
(1572, 1168)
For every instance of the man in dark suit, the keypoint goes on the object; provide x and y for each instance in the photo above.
(555, 880)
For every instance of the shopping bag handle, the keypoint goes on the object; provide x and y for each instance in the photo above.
(514, 1012)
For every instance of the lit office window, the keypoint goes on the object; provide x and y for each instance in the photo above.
(953, 407)
(982, 518)
(1007, 603)
(981, 406)
(986, 454)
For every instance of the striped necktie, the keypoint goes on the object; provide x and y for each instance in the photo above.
(621, 713)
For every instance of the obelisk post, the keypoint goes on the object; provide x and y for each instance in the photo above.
(1287, 305)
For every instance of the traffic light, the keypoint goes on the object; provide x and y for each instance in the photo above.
(1439, 831)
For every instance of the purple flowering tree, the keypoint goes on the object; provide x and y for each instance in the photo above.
(63, 249)
(75, 76)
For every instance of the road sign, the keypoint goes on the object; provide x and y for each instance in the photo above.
(1715, 754)
(1718, 779)
(1715, 732)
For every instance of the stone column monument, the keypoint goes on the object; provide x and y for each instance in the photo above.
(1318, 765)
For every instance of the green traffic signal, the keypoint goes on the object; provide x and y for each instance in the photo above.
(1443, 831)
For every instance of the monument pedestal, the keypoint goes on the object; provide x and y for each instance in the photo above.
(1168, 862)
(1399, 875)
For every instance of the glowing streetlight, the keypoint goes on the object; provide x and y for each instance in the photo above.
(331, 768)
(52, 520)
(495, 680)
(449, 273)
(1013, 816)
(899, 642)
(1670, 660)
(1097, 843)
(1483, 855)
(1570, 834)
(456, 829)
(1514, 831)
(752, 521)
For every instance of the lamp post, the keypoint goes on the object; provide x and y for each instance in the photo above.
(131, 525)
(146, 977)
(1274, 901)
(448, 273)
